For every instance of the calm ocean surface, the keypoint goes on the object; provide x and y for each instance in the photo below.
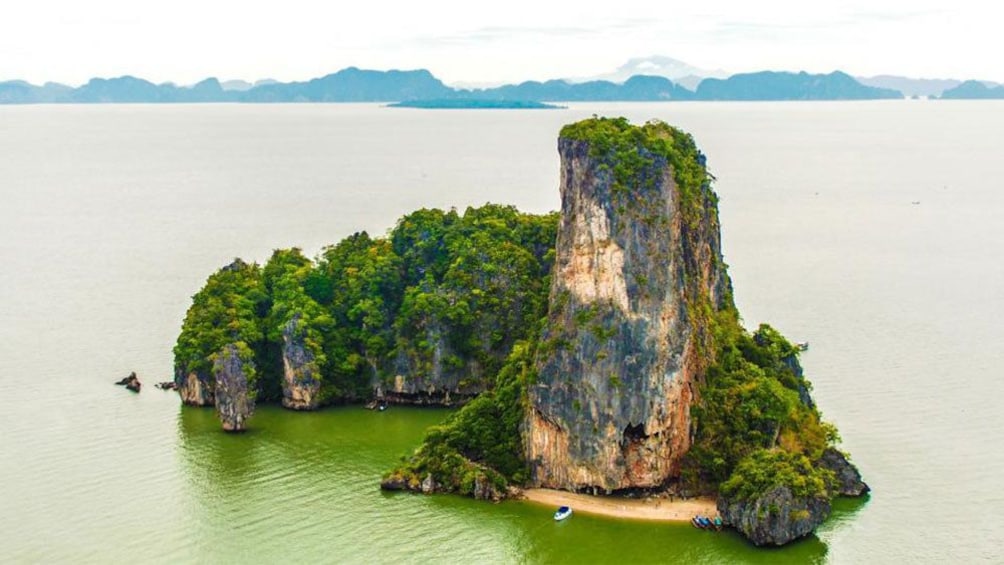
(872, 230)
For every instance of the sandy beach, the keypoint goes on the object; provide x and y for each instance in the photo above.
(658, 509)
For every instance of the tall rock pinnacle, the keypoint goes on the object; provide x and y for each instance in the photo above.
(637, 277)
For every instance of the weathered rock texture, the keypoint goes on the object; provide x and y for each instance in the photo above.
(194, 388)
(131, 382)
(234, 402)
(624, 344)
(849, 481)
(776, 517)
(301, 381)
(432, 383)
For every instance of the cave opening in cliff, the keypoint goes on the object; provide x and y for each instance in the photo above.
(634, 433)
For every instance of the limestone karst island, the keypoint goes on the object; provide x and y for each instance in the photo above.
(596, 350)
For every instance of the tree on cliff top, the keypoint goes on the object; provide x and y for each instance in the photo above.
(480, 278)
(765, 469)
(627, 150)
(226, 310)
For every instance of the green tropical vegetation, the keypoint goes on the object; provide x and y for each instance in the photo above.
(443, 294)
(463, 298)
(629, 152)
(767, 469)
(228, 309)
(482, 441)
(753, 398)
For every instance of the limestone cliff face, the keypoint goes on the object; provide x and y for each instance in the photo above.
(433, 381)
(301, 377)
(234, 402)
(195, 389)
(637, 274)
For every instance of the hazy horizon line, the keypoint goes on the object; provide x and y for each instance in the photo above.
(472, 84)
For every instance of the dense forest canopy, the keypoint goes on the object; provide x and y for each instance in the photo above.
(443, 294)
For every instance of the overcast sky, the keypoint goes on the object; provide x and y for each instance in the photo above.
(474, 42)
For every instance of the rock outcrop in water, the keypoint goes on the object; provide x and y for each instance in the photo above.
(234, 400)
(131, 382)
(775, 496)
(848, 477)
(777, 514)
(638, 259)
(776, 517)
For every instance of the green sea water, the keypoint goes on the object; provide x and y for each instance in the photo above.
(309, 481)
(871, 230)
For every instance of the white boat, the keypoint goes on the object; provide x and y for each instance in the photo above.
(562, 513)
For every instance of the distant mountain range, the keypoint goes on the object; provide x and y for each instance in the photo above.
(769, 85)
(690, 77)
(975, 90)
(636, 88)
(358, 85)
(681, 73)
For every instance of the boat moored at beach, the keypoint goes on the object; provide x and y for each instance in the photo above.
(706, 523)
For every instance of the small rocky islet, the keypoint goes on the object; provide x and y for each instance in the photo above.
(594, 350)
(131, 382)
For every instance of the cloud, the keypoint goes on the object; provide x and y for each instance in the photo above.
(897, 17)
(494, 34)
(757, 30)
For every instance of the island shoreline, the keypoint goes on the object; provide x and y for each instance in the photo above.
(648, 509)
